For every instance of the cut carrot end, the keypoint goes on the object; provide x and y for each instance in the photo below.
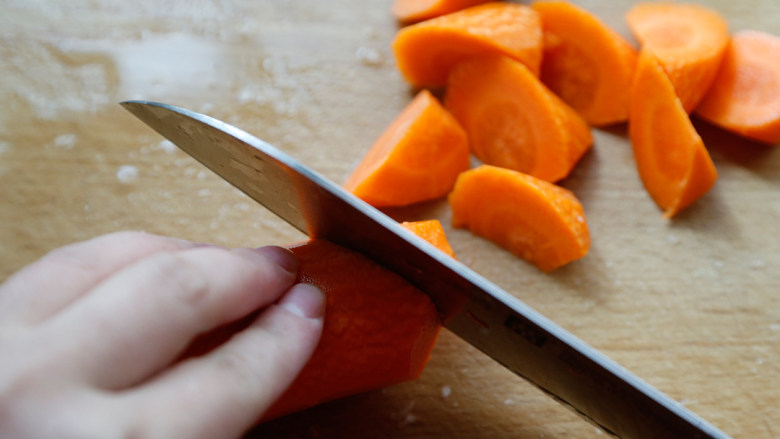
(417, 158)
(673, 163)
(535, 220)
(745, 96)
(689, 41)
(587, 64)
(426, 52)
(513, 120)
(378, 330)
(410, 11)
(431, 231)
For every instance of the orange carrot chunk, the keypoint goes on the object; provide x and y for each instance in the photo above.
(426, 52)
(408, 11)
(535, 220)
(513, 120)
(585, 63)
(689, 41)
(745, 97)
(417, 158)
(673, 163)
(379, 329)
(431, 231)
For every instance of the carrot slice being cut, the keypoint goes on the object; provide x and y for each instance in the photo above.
(408, 11)
(587, 64)
(745, 96)
(535, 220)
(417, 158)
(426, 52)
(672, 161)
(689, 41)
(378, 330)
(513, 120)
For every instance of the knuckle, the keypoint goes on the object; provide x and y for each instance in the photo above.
(142, 241)
(245, 379)
(140, 428)
(129, 235)
(183, 282)
(236, 364)
(73, 257)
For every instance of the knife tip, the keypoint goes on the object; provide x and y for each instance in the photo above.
(132, 102)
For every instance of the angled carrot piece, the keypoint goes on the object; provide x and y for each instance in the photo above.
(379, 329)
(417, 158)
(425, 52)
(586, 63)
(535, 220)
(513, 120)
(672, 161)
(689, 41)
(408, 11)
(431, 231)
(745, 96)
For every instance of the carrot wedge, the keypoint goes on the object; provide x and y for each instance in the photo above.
(417, 158)
(513, 120)
(379, 329)
(672, 161)
(585, 63)
(535, 220)
(431, 231)
(745, 96)
(689, 41)
(425, 52)
(409, 11)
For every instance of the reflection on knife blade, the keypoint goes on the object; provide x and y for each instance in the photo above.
(478, 311)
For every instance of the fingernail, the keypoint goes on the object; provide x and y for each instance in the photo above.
(281, 257)
(304, 300)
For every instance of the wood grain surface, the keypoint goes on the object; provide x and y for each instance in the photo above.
(690, 305)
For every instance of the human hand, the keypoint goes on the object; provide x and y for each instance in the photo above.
(88, 335)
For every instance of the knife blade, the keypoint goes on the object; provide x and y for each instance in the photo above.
(478, 311)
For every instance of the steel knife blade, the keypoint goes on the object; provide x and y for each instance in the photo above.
(489, 318)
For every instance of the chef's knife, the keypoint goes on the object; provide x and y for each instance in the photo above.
(478, 311)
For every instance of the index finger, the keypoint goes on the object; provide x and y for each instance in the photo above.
(50, 284)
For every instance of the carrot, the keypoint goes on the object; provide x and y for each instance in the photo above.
(417, 158)
(431, 231)
(670, 156)
(379, 329)
(689, 41)
(408, 11)
(745, 96)
(513, 120)
(586, 63)
(425, 52)
(535, 220)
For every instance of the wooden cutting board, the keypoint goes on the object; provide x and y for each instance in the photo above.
(690, 305)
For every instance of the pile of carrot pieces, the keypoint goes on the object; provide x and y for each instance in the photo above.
(522, 87)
